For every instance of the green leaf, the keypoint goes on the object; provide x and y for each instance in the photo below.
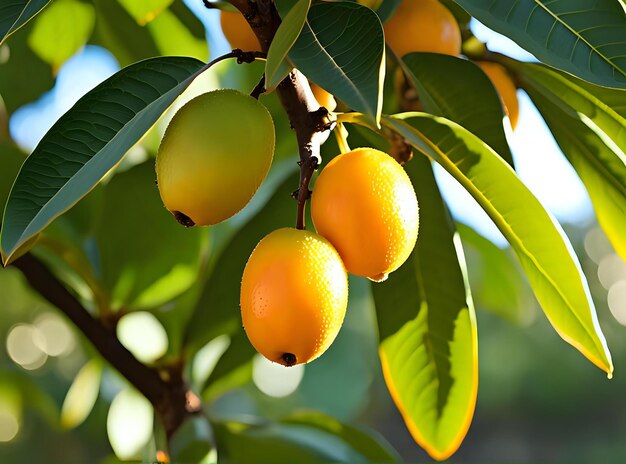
(461, 16)
(586, 38)
(602, 170)
(217, 311)
(173, 38)
(541, 245)
(233, 369)
(146, 257)
(15, 13)
(575, 100)
(592, 135)
(191, 442)
(11, 158)
(145, 11)
(368, 444)
(190, 20)
(275, 68)
(473, 102)
(614, 98)
(428, 348)
(386, 9)
(334, 34)
(113, 27)
(61, 30)
(278, 443)
(496, 279)
(82, 395)
(88, 141)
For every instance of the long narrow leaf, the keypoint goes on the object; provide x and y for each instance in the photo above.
(428, 349)
(15, 13)
(590, 127)
(543, 249)
(88, 141)
(276, 67)
(586, 38)
(333, 36)
(602, 172)
(479, 110)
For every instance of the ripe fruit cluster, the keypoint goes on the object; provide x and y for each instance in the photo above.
(294, 290)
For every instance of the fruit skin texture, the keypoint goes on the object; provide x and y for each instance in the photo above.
(423, 26)
(238, 32)
(363, 202)
(294, 294)
(214, 155)
(506, 88)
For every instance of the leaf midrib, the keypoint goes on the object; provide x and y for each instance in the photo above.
(24, 236)
(11, 30)
(499, 220)
(579, 37)
(343, 74)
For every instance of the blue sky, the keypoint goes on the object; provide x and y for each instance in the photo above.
(539, 162)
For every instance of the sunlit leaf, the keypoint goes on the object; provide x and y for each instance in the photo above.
(592, 134)
(146, 257)
(173, 38)
(276, 69)
(61, 30)
(146, 10)
(113, 27)
(586, 38)
(542, 247)
(428, 341)
(602, 170)
(82, 395)
(89, 140)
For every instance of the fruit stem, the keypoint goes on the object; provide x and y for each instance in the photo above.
(311, 122)
(307, 168)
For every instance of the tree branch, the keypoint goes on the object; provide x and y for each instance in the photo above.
(310, 121)
(168, 396)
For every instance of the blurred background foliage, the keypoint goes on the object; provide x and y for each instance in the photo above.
(121, 252)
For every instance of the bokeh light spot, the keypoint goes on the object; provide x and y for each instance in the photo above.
(274, 379)
(23, 345)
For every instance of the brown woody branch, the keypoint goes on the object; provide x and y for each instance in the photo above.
(166, 391)
(310, 121)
